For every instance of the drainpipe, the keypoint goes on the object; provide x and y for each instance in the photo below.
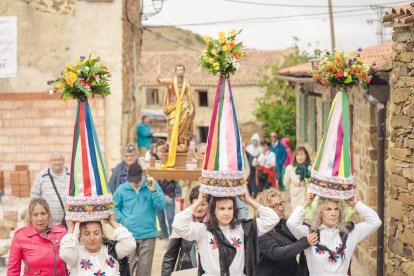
(380, 176)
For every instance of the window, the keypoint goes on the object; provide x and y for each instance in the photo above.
(202, 98)
(152, 96)
(312, 122)
(302, 117)
(203, 132)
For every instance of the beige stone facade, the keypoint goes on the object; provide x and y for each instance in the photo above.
(49, 35)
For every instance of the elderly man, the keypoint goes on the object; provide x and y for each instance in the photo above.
(52, 184)
(120, 172)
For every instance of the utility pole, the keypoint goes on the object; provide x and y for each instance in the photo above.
(331, 23)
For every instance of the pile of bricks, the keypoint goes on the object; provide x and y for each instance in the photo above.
(20, 181)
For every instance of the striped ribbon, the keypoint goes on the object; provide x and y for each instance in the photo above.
(224, 145)
(87, 176)
(335, 154)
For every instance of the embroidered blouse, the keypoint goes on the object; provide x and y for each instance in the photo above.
(80, 262)
(319, 261)
(207, 246)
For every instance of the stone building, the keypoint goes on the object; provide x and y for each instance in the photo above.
(313, 103)
(399, 231)
(49, 35)
(394, 86)
(245, 84)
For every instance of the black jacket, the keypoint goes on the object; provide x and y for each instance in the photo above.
(177, 249)
(278, 251)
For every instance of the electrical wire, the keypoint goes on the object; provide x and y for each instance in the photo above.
(309, 6)
(265, 19)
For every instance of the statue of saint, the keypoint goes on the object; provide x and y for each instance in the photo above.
(179, 110)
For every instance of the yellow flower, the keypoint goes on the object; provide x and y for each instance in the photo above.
(204, 52)
(79, 61)
(211, 60)
(68, 67)
(207, 39)
(226, 48)
(214, 52)
(60, 85)
(222, 37)
(70, 78)
(216, 65)
(232, 32)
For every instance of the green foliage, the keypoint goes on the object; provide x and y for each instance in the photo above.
(277, 108)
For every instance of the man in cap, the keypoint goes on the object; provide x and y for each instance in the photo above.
(136, 202)
(120, 172)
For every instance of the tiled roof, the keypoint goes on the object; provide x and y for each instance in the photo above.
(380, 53)
(400, 14)
(257, 64)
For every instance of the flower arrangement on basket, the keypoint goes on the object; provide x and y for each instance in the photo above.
(343, 71)
(223, 55)
(85, 79)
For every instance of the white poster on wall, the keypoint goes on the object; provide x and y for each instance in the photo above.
(8, 46)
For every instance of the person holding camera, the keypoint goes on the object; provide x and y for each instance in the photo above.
(136, 202)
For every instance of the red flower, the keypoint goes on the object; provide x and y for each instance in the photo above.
(93, 77)
(86, 84)
(333, 69)
(351, 72)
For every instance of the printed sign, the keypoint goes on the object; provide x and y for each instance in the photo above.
(8, 46)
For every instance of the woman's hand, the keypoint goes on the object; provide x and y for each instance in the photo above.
(352, 201)
(112, 221)
(309, 197)
(248, 200)
(201, 197)
(70, 225)
(313, 239)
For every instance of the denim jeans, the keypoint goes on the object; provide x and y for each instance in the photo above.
(170, 211)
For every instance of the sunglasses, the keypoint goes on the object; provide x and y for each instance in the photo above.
(277, 205)
(129, 148)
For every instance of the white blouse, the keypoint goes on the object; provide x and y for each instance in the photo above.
(295, 187)
(318, 262)
(266, 160)
(207, 245)
(80, 262)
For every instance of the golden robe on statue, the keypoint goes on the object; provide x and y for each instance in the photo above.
(180, 112)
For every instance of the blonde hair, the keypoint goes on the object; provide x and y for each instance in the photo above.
(317, 214)
(33, 203)
(266, 196)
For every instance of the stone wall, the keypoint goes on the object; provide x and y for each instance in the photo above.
(399, 258)
(32, 125)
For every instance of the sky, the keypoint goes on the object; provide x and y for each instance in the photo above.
(272, 24)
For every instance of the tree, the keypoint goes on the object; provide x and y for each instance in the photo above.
(277, 108)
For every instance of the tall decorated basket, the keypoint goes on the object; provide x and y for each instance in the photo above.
(332, 174)
(223, 168)
(89, 197)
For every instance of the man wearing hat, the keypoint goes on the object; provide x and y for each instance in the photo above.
(135, 203)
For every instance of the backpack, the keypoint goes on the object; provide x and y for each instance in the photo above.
(123, 263)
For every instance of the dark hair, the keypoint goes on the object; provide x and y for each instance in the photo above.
(265, 143)
(308, 160)
(213, 223)
(179, 65)
(195, 192)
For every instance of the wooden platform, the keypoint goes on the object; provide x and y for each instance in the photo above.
(177, 174)
(185, 171)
